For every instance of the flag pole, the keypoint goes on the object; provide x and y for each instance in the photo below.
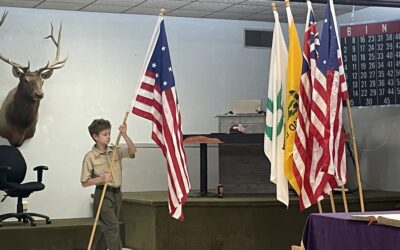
(110, 167)
(353, 139)
(147, 57)
(360, 190)
(319, 207)
(119, 138)
(347, 103)
(332, 202)
(346, 209)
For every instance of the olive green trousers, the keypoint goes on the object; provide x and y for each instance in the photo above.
(109, 237)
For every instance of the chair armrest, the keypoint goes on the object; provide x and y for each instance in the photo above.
(39, 170)
(3, 176)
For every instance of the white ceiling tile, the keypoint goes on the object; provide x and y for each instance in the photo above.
(127, 3)
(244, 8)
(200, 6)
(298, 4)
(226, 15)
(268, 11)
(258, 10)
(105, 8)
(70, 1)
(61, 6)
(223, 1)
(189, 13)
(281, 6)
(166, 4)
(19, 3)
(259, 2)
(145, 11)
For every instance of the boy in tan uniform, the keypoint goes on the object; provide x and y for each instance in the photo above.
(95, 171)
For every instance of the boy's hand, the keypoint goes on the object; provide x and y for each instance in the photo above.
(122, 128)
(106, 177)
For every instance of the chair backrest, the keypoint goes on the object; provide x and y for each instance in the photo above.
(10, 156)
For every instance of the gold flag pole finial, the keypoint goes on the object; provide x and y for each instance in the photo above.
(162, 11)
(287, 3)
(273, 4)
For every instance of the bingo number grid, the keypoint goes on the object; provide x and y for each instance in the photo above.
(371, 58)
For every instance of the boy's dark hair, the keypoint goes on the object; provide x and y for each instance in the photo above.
(97, 126)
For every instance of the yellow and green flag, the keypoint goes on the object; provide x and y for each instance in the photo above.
(292, 97)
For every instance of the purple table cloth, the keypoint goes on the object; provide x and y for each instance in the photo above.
(335, 231)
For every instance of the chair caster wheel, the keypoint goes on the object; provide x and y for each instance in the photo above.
(48, 221)
(25, 220)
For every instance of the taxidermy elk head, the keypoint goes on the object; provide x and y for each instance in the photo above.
(19, 111)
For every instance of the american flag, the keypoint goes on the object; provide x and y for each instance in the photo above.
(330, 84)
(303, 148)
(157, 101)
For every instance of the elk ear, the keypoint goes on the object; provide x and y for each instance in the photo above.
(17, 72)
(47, 74)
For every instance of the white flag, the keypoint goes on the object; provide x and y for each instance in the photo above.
(274, 129)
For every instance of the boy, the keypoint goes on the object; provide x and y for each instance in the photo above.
(95, 171)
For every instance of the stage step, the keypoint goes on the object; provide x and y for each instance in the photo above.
(61, 234)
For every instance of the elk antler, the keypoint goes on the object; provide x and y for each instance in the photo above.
(56, 64)
(14, 64)
(3, 18)
(7, 60)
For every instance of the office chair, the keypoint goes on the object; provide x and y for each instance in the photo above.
(12, 173)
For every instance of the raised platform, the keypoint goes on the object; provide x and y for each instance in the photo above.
(236, 222)
(62, 234)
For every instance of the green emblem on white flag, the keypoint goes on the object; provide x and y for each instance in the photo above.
(274, 119)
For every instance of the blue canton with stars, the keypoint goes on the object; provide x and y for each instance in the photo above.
(160, 62)
(328, 57)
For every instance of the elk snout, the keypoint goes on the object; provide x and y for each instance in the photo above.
(39, 94)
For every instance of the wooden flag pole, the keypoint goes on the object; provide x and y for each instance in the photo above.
(346, 209)
(319, 207)
(344, 200)
(353, 139)
(110, 167)
(332, 202)
(118, 139)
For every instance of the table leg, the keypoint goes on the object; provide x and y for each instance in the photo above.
(203, 169)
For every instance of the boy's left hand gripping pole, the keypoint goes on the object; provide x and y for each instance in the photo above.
(111, 166)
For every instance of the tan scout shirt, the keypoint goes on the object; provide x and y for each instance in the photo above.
(97, 163)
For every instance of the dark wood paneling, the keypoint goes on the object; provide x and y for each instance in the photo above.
(244, 168)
